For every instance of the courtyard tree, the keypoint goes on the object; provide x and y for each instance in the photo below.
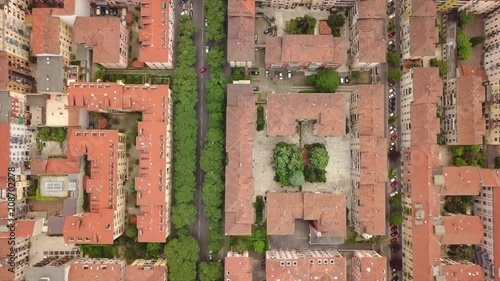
(259, 246)
(297, 178)
(335, 21)
(477, 40)
(131, 231)
(325, 81)
(300, 25)
(211, 271)
(465, 18)
(442, 65)
(318, 157)
(464, 47)
(287, 160)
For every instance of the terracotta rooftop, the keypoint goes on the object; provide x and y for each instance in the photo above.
(240, 134)
(324, 29)
(461, 229)
(241, 8)
(423, 8)
(67, 9)
(470, 96)
(423, 41)
(369, 266)
(372, 43)
(97, 270)
(153, 102)
(461, 181)
(240, 39)
(467, 70)
(372, 9)
(274, 48)
(490, 177)
(314, 48)
(155, 271)
(54, 166)
(427, 85)
(327, 211)
(371, 110)
(237, 267)
(328, 110)
(154, 33)
(4, 150)
(46, 31)
(102, 34)
(459, 272)
(426, 131)
(305, 265)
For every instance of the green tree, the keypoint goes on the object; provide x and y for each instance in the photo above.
(464, 47)
(396, 218)
(325, 81)
(183, 215)
(393, 58)
(395, 201)
(154, 249)
(391, 27)
(394, 75)
(211, 271)
(131, 231)
(297, 178)
(356, 74)
(130, 185)
(287, 159)
(465, 18)
(318, 156)
(216, 57)
(300, 25)
(392, 120)
(458, 150)
(335, 21)
(461, 252)
(460, 162)
(477, 40)
(442, 65)
(240, 246)
(259, 246)
(182, 255)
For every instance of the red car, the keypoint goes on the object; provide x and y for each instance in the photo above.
(394, 228)
(392, 34)
(394, 240)
(393, 138)
(203, 70)
(394, 183)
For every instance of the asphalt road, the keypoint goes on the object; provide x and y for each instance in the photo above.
(199, 229)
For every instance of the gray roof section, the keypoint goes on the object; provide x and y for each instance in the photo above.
(5, 106)
(69, 207)
(36, 100)
(55, 226)
(54, 273)
(49, 74)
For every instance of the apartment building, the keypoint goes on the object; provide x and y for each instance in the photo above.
(97, 269)
(311, 4)
(305, 52)
(463, 122)
(240, 33)
(154, 143)
(368, 160)
(325, 211)
(368, 266)
(325, 111)
(421, 92)
(15, 74)
(367, 33)
(472, 6)
(486, 207)
(492, 67)
(71, 9)
(15, 36)
(419, 33)
(240, 134)
(237, 267)
(305, 265)
(50, 268)
(14, 258)
(106, 151)
(147, 270)
(157, 34)
(107, 37)
(19, 146)
(51, 35)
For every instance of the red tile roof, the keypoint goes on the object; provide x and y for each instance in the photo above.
(54, 166)
(308, 49)
(372, 43)
(423, 36)
(240, 39)
(423, 8)
(97, 270)
(462, 272)
(372, 9)
(461, 181)
(470, 96)
(324, 29)
(460, 229)
(151, 142)
(46, 31)
(237, 267)
(152, 272)
(424, 132)
(241, 8)
(240, 134)
(68, 9)
(290, 265)
(281, 217)
(4, 150)
(368, 266)
(467, 70)
(104, 35)
(155, 33)
(327, 109)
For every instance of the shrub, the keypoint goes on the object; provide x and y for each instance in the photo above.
(318, 157)
(442, 65)
(325, 81)
(464, 47)
(260, 118)
(465, 19)
(287, 160)
(477, 40)
(312, 174)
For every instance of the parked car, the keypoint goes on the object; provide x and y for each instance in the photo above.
(391, 90)
(395, 278)
(207, 49)
(114, 11)
(391, 84)
(204, 69)
(391, 48)
(394, 240)
(391, 114)
(391, 10)
(255, 89)
(267, 73)
(395, 233)
(347, 80)
(392, 132)
(393, 144)
(191, 6)
(392, 16)
(393, 179)
(392, 100)
(206, 23)
(395, 192)
(289, 74)
(390, 5)
(393, 138)
(392, 96)
(391, 109)
(98, 11)
(394, 228)
(269, 30)
(394, 183)
(281, 75)
(388, 1)
(254, 72)
(191, 13)
(210, 256)
(256, 38)
(342, 80)
(392, 34)
(392, 148)
(182, 2)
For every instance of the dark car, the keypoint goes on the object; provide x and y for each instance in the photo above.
(255, 89)
(347, 80)
(391, 10)
(91, 125)
(391, 47)
(191, 13)
(182, 2)
(390, 5)
(394, 228)
(114, 11)
(391, 84)
(254, 72)
(394, 240)
(391, 109)
(394, 234)
(103, 11)
(269, 30)
(392, 100)
(395, 278)
(392, 33)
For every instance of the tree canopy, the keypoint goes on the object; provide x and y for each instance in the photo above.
(287, 160)
(300, 25)
(182, 255)
(211, 271)
(325, 81)
(318, 156)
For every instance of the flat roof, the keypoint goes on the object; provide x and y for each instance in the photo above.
(50, 74)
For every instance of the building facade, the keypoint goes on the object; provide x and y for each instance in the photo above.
(16, 36)
(15, 74)
(311, 4)
(492, 68)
